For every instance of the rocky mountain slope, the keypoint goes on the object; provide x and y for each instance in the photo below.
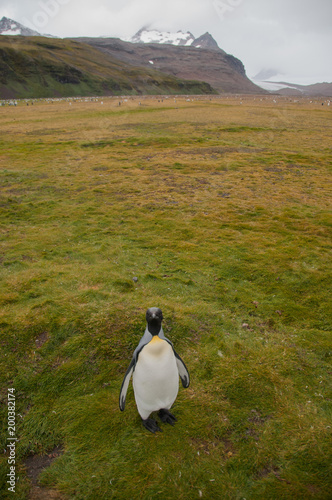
(42, 67)
(206, 41)
(222, 71)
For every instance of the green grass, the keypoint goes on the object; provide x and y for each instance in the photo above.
(222, 212)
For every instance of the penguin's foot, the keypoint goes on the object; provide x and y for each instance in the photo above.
(166, 417)
(151, 425)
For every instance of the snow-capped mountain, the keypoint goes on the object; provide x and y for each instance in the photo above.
(187, 39)
(10, 27)
(154, 36)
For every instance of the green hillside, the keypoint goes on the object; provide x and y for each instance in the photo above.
(33, 67)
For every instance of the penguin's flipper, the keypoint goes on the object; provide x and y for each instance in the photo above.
(125, 384)
(183, 372)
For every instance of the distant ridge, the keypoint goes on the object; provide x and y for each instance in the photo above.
(323, 89)
(272, 81)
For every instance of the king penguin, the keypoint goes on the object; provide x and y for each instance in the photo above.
(155, 367)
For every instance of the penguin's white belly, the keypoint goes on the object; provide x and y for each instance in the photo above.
(156, 377)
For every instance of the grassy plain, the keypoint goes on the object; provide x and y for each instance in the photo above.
(221, 208)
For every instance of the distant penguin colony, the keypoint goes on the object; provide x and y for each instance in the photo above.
(155, 367)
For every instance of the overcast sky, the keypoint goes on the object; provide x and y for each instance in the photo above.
(293, 37)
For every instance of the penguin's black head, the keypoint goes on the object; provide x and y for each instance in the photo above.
(154, 317)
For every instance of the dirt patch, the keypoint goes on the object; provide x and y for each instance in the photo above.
(270, 470)
(202, 445)
(257, 418)
(41, 339)
(37, 493)
(266, 471)
(229, 448)
(35, 464)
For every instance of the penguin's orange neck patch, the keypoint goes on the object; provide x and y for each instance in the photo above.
(156, 347)
(155, 338)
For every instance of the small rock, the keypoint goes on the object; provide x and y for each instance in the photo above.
(135, 279)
